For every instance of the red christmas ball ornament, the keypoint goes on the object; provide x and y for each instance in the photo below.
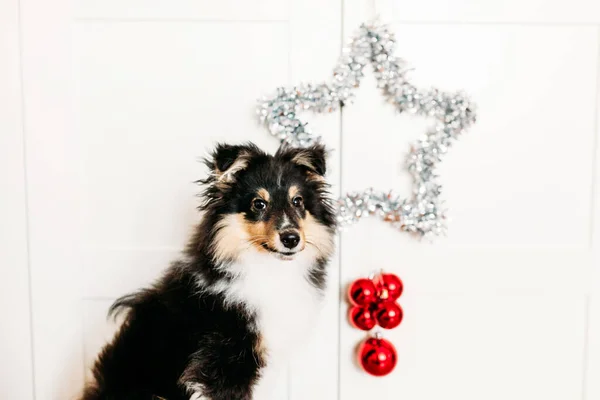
(389, 287)
(362, 292)
(389, 315)
(377, 356)
(362, 318)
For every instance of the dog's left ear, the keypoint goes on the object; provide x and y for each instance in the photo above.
(229, 160)
(313, 158)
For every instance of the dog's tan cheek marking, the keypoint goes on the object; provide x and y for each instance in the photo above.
(318, 234)
(271, 232)
(302, 229)
(256, 233)
(259, 233)
(264, 194)
(230, 238)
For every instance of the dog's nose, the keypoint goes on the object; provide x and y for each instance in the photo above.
(289, 239)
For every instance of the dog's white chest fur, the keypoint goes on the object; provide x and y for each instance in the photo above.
(285, 304)
(280, 295)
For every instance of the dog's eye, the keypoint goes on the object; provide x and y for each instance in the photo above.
(259, 204)
(297, 201)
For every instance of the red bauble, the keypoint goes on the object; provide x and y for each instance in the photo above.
(377, 356)
(389, 315)
(389, 287)
(362, 292)
(362, 318)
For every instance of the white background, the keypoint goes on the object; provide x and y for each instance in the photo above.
(105, 107)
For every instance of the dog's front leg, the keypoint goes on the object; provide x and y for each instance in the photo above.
(223, 369)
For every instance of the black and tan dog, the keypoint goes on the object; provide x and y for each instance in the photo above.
(221, 321)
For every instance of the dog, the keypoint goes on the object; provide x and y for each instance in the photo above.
(221, 321)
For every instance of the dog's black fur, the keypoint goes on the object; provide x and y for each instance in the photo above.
(179, 333)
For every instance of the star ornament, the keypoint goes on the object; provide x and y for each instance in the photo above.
(423, 213)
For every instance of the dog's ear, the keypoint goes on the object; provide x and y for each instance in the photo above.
(228, 160)
(313, 158)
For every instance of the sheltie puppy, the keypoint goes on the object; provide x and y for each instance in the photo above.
(220, 323)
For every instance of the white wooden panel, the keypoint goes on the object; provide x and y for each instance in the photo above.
(466, 11)
(315, 45)
(521, 176)
(500, 304)
(432, 271)
(15, 339)
(481, 307)
(229, 10)
(170, 92)
(53, 201)
(592, 383)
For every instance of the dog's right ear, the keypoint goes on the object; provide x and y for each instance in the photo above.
(227, 160)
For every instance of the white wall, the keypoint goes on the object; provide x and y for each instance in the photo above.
(99, 147)
(15, 329)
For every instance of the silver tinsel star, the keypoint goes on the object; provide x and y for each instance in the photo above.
(423, 213)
